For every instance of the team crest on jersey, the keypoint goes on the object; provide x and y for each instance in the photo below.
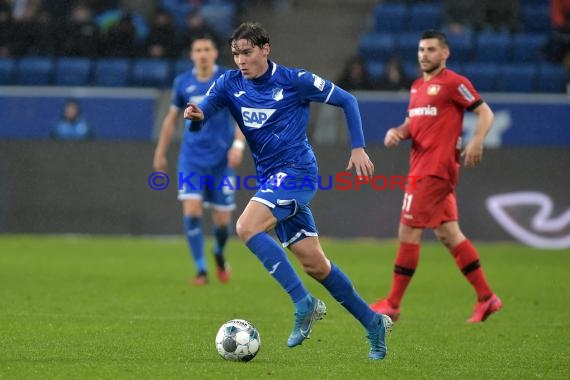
(318, 82)
(196, 99)
(433, 89)
(191, 88)
(255, 117)
(277, 94)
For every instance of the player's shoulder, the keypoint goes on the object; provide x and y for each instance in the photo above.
(453, 77)
(185, 76)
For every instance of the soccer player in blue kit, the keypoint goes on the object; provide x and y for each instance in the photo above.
(271, 106)
(214, 151)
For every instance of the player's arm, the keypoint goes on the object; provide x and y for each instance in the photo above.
(196, 114)
(397, 134)
(235, 153)
(168, 129)
(474, 150)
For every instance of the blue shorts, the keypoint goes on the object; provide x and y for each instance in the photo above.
(288, 194)
(213, 186)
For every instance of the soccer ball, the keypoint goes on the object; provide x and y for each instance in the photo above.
(238, 340)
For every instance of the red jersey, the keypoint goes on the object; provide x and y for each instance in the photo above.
(436, 120)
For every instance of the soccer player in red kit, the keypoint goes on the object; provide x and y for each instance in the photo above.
(438, 100)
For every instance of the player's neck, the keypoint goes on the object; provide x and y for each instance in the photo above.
(204, 73)
(433, 74)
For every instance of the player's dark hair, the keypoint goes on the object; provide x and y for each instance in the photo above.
(253, 32)
(431, 33)
(205, 36)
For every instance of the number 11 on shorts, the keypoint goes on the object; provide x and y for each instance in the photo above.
(407, 202)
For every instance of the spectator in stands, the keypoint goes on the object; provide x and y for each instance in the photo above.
(394, 78)
(196, 26)
(461, 16)
(120, 40)
(6, 29)
(25, 10)
(559, 45)
(80, 36)
(500, 15)
(72, 126)
(161, 39)
(355, 76)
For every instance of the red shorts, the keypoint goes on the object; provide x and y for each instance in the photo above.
(429, 204)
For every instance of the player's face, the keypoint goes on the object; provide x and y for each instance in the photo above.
(251, 60)
(203, 54)
(431, 55)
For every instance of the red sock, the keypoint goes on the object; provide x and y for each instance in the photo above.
(406, 264)
(467, 259)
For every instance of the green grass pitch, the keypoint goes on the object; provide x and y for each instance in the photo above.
(121, 308)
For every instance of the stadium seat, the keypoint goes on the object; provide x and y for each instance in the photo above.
(411, 69)
(71, 71)
(482, 75)
(552, 78)
(220, 15)
(425, 16)
(390, 17)
(461, 46)
(517, 78)
(493, 47)
(111, 72)
(527, 47)
(7, 66)
(181, 65)
(376, 46)
(375, 68)
(536, 18)
(407, 46)
(149, 72)
(34, 71)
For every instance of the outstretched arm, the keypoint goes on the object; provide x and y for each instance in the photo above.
(473, 152)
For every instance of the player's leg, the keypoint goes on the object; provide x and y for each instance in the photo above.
(467, 260)
(192, 211)
(311, 256)
(221, 219)
(252, 227)
(405, 265)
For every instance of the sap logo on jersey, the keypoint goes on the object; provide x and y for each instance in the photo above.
(255, 117)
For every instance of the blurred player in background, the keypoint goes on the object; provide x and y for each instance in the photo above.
(435, 118)
(271, 105)
(214, 151)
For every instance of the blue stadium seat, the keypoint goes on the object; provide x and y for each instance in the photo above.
(527, 47)
(149, 72)
(407, 46)
(482, 75)
(34, 71)
(111, 72)
(517, 78)
(461, 47)
(412, 69)
(71, 71)
(181, 65)
(425, 16)
(552, 78)
(7, 66)
(536, 18)
(390, 17)
(375, 68)
(455, 66)
(376, 46)
(493, 47)
(221, 16)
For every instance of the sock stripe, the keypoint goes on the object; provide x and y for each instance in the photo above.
(404, 271)
(470, 267)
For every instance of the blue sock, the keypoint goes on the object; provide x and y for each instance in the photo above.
(221, 237)
(340, 287)
(274, 259)
(195, 239)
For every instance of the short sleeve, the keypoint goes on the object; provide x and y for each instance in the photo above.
(313, 88)
(464, 94)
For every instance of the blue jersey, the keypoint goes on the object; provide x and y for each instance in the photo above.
(209, 146)
(272, 111)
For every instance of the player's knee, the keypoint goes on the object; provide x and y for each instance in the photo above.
(316, 270)
(443, 238)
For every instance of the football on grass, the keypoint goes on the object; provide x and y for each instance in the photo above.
(238, 340)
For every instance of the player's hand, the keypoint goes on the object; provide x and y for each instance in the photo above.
(160, 163)
(473, 153)
(235, 156)
(192, 112)
(393, 138)
(361, 162)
